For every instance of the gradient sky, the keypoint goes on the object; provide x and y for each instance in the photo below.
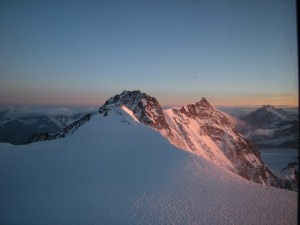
(83, 52)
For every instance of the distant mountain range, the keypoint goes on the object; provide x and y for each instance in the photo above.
(243, 110)
(269, 126)
(18, 124)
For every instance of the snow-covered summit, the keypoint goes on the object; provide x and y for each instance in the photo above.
(198, 128)
(271, 126)
(203, 103)
(146, 108)
(268, 113)
(202, 129)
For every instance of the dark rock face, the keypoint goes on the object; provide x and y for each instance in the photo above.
(146, 108)
(40, 137)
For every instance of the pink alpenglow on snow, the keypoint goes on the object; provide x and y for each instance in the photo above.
(111, 168)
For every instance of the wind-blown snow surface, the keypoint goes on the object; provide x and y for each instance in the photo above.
(114, 170)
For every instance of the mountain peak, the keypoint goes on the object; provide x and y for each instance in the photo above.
(146, 108)
(268, 107)
(126, 97)
(198, 128)
(204, 103)
(203, 130)
(267, 115)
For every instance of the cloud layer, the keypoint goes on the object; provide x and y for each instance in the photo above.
(25, 112)
(260, 133)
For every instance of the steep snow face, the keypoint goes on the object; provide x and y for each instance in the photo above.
(115, 170)
(199, 128)
(210, 133)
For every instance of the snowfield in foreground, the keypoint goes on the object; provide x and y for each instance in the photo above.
(114, 170)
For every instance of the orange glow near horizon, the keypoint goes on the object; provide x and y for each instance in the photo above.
(284, 100)
(264, 100)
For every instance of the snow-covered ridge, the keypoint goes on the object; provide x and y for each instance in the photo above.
(145, 108)
(198, 128)
(201, 129)
(115, 170)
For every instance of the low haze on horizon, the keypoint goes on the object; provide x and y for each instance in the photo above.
(83, 52)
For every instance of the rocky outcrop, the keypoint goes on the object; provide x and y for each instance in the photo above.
(146, 108)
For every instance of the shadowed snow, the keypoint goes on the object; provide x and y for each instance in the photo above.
(114, 170)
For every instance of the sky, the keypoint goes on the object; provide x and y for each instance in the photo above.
(233, 52)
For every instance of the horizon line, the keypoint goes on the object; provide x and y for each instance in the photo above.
(162, 105)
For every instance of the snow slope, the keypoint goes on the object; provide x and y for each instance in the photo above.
(202, 129)
(198, 128)
(115, 170)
